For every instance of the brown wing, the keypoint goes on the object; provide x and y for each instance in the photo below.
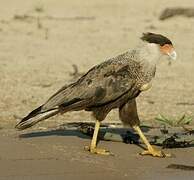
(100, 85)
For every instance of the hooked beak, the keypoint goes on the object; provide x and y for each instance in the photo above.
(169, 50)
(172, 54)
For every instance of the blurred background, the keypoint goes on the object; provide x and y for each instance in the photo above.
(45, 44)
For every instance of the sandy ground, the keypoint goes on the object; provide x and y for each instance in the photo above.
(36, 57)
(55, 154)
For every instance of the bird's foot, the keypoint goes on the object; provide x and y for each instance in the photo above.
(97, 151)
(155, 153)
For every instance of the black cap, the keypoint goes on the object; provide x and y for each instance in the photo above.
(156, 38)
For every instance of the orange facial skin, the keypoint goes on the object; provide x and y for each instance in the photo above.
(166, 49)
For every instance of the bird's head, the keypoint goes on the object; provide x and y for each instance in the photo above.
(164, 44)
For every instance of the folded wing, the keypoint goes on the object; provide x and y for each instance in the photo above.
(102, 84)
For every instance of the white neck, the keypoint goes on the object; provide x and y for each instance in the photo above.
(149, 53)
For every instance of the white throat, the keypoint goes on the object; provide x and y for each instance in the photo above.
(149, 53)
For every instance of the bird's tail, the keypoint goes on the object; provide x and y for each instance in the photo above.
(34, 117)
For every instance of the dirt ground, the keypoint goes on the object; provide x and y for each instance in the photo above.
(40, 40)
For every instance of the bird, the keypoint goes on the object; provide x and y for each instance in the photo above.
(114, 83)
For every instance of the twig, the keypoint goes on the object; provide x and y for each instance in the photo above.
(76, 73)
(185, 103)
(26, 17)
(177, 11)
(181, 167)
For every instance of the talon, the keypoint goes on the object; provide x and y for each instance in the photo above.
(155, 153)
(98, 151)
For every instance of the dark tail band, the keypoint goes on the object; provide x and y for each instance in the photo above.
(34, 117)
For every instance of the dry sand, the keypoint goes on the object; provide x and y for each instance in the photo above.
(39, 42)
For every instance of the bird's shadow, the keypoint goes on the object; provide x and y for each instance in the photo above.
(72, 129)
(64, 131)
(55, 132)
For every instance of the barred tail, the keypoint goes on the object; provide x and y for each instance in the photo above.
(34, 117)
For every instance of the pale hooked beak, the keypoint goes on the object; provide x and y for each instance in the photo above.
(172, 55)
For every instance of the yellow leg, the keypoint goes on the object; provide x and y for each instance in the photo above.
(93, 148)
(150, 150)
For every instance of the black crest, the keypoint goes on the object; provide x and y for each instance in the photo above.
(156, 38)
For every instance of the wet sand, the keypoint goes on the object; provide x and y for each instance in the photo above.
(52, 154)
